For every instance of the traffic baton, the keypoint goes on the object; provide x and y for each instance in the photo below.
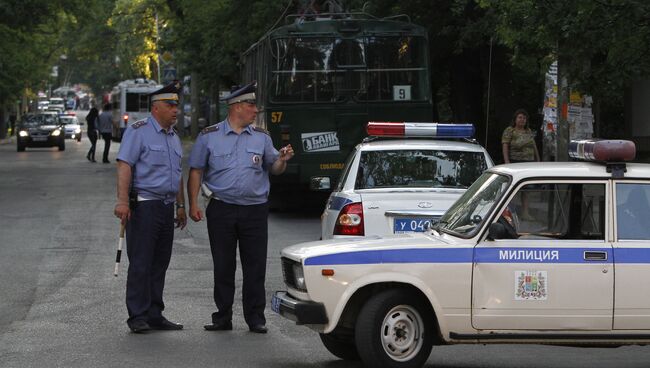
(119, 250)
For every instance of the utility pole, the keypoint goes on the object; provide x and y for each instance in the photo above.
(562, 136)
(194, 93)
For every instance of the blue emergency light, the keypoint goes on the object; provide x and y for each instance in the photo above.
(419, 129)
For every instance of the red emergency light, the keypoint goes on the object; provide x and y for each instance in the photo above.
(602, 150)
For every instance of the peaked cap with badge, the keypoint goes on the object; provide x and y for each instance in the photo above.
(241, 94)
(168, 94)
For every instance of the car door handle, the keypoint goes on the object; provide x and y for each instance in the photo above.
(595, 256)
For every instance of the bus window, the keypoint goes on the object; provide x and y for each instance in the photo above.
(302, 70)
(137, 102)
(396, 69)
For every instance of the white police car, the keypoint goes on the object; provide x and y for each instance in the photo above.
(402, 177)
(551, 253)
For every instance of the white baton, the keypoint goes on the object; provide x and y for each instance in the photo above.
(120, 242)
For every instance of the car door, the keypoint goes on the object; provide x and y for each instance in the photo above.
(556, 271)
(632, 255)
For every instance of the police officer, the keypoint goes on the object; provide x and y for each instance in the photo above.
(234, 159)
(149, 181)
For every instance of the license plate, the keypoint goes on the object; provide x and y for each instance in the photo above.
(403, 225)
(275, 304)
(39, 139)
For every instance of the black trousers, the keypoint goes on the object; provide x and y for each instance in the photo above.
(107, 144)
(231, 225)
(92, 135)
(149, 238)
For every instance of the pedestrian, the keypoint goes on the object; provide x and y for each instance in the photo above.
(91, 120)
(149, 181)
(235, 159)
(12, 123)
(105, 128)
(518, 145)
(518, 140)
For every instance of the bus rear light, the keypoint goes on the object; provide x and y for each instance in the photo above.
(350, 220)
(419, 129)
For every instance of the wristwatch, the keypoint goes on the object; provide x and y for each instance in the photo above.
(180, 205)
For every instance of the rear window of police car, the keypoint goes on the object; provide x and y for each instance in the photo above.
(419, 168)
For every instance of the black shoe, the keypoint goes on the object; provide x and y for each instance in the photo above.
(165, 325)
(219, 326)
(106, 161)
(88, 157)
(93, 160)
(139, 326)
(261, 329)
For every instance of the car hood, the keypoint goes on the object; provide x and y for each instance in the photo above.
(47, 128)
(302, 251)
(72, 126)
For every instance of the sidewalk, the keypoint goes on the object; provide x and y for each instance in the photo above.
(7, 140)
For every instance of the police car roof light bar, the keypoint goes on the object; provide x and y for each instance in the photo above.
(597, 150)
(419, 129)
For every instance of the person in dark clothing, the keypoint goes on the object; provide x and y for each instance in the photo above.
(12, 122)
(91, 119)
(105, 126)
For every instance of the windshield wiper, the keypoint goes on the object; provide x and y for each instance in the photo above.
(439, 225)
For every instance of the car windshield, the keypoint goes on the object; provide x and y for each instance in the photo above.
(41, 119)
(466, 216)
(419, 168)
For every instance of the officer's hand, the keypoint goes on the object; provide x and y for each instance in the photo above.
(286, 153)
(123, 212)
(181, 218)
(195, 214)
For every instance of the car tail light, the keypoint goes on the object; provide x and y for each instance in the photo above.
(350, 220)
(125, 118)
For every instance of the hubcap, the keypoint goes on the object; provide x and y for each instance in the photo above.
(401, 333)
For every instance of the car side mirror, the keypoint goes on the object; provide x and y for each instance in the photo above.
(497, 231)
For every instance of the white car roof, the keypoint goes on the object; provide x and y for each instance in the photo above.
(568, 170)
(437, 144)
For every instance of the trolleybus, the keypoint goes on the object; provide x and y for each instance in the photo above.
(321, 80)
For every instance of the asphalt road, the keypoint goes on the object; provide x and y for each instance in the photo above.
(61, 306)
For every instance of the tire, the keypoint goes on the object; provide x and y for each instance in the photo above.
(345, 350)
(20, 148)
(62, 146)
(393, 330)
(79, 138)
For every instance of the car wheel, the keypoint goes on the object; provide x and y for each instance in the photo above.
(393, 330)
(62, 146)
(345, 350)
(79, 138)
(20, 148)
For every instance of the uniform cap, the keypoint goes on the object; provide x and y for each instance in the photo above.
(241, 94)
(168, 94)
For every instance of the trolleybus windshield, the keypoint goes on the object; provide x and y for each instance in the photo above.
(329, 69)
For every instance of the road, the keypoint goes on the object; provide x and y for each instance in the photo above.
(61, 306)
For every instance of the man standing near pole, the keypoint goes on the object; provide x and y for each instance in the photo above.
(149, 181)
(234, 159)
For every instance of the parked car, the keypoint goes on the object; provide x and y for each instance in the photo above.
(538, 253)
(58, 103)
(402, 177)
(40, 130)
(72, 126)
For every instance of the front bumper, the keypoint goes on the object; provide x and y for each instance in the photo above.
(299, 311)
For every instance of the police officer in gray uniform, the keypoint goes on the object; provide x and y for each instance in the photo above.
(234, 160)
(149, 182)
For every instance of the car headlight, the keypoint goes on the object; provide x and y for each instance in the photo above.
(56, 133)
(299, 277)
(77, 130)
(23, 133)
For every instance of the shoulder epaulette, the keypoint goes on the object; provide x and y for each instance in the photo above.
(210, 129)
(139, 123)
(261, 130)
